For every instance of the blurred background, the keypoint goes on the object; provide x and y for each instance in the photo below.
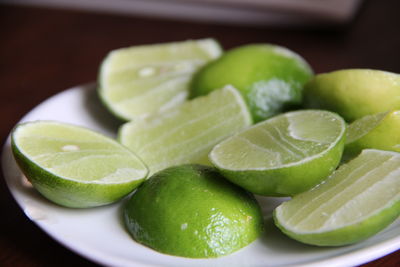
(47, 46)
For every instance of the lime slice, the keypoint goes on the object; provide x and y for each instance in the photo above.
(73, 166)
(187, 133)
(354, 93)
(270, 77)
(140, 80)
(379, 131)
(285, 155)
(358, 200)
(192, 211)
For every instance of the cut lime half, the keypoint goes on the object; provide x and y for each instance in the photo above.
(74, 166)
(139, 80)
(285, 155)
(358, 200)
(187, 133)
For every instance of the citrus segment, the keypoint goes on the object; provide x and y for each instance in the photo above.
(187, 133)
(379, 131)
(74, 166)
(139, 80)
(284, 155)
(192, 211)
(354, 93)
(358, 200)
(270, 77)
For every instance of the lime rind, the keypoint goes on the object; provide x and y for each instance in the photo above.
(362, 215)
(174, 62)
(80, 192)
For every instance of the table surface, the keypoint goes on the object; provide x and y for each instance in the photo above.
(44, 51)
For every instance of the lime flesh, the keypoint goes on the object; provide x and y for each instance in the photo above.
(192, 211)
(187, 133)
(74, 166)
(379, 131)
(285, 155)
(358, 200)
(140, 80)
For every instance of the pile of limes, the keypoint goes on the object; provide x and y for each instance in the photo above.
(206, 129)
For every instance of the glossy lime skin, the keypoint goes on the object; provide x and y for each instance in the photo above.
(354, 93)
(191, 211)
(270, 77)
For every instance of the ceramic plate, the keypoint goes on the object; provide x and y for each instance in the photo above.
(99, 234)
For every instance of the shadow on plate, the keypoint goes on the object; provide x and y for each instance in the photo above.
(98, 111)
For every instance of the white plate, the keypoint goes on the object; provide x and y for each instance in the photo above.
(99, 235)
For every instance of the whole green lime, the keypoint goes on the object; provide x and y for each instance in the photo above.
(354, 93)
(192, 211)
(270, 77)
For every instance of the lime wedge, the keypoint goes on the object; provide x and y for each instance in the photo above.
(358, 200)
(192, 211)
(354, 93)
(73, 166)
(187, 133)
(140, 80)
(379, 131)
(285, 155)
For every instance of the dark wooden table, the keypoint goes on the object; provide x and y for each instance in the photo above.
(44, 51)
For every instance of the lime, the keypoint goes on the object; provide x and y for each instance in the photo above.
(74, 166)
(187, 133)
(358, 200)
(270, 77)
(192, 211)
(284, 155)
(379, 131)
(354, 93)
(139, 80)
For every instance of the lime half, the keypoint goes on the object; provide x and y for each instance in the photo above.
(74, 166)
(192, 211)
(358, 200)
(285, 155)
(139, 80)
(187, 133)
